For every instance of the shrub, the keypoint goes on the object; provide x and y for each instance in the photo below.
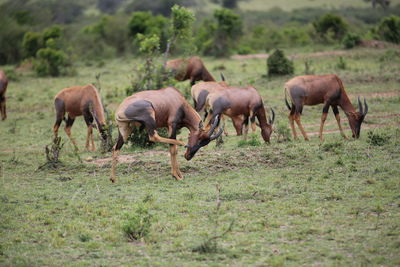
(279, 64)
(283, 132)
(50, 62)
(351, 40)
(330, 23)
(389, 29)
(137, 225)
(31, 43)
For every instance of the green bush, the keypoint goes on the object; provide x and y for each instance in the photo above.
(49, 62)
(31, 43)
(279, 64)
(137, 225)
(330, 24)
(389, 29)
(351, 40)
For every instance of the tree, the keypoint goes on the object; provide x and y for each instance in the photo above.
(389, 29)
(330, 23)
(229, 28)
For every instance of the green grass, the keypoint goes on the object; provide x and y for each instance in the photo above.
(292, 203)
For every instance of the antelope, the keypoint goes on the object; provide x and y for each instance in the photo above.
(189, 68)
(200, 92)
(154, 109)
(240, 104)
(3, 89)
(329, 90)
(78, 101)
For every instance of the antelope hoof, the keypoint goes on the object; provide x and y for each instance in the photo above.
(113, 179)
(178, 175)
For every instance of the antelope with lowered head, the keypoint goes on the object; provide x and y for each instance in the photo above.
(240, 104)
(327, 89)
(3, 89)
(78, 101)
(200, 92)
(154, 109)
(189, 68)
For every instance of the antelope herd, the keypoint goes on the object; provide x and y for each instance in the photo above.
(167, 107)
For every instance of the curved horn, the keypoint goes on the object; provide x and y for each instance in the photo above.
(273, 116)
(215, 136)
(366, 107)
(222, 77)
(214, 125)
(360, 107)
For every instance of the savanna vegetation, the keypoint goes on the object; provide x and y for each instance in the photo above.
(287, 203)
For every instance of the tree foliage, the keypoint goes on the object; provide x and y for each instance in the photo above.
(389, 29)
(330, 24)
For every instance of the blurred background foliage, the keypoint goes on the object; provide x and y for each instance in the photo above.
(53, 33)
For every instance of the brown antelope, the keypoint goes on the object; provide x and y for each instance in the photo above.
(327, 89)
(154, 109)
(189, 68)
(3, 89)
(240, 104)
(200, 92)
(77, 101)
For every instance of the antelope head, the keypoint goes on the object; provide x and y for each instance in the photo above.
(266, 131)
(356, 118)
(201, 137)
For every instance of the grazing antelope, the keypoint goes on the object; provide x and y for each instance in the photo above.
(154, 109)
(327, 89)
(240, 104)
(3, 89)
(189, 68)
(201, 90)
(77, 101)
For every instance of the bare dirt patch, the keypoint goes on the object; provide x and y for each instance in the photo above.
(127, 158)
(376, 44)
(294, 56)
(364, 127)
(376, 94)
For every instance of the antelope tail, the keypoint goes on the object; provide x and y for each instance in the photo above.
(286, 101)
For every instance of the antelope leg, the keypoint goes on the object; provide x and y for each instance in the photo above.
(297, 119)
(156, 138)
(173, 150)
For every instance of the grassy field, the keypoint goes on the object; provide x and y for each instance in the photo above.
(291, 203)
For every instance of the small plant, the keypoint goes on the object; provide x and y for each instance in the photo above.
(332, 146)
(84, 237)
(210, 245)
(308, 67)
(351, 40)
(283, 133)
(279, 64)
(377, 139)
(254, 141)
(137, 225)
(52, 154)
(341, 64)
